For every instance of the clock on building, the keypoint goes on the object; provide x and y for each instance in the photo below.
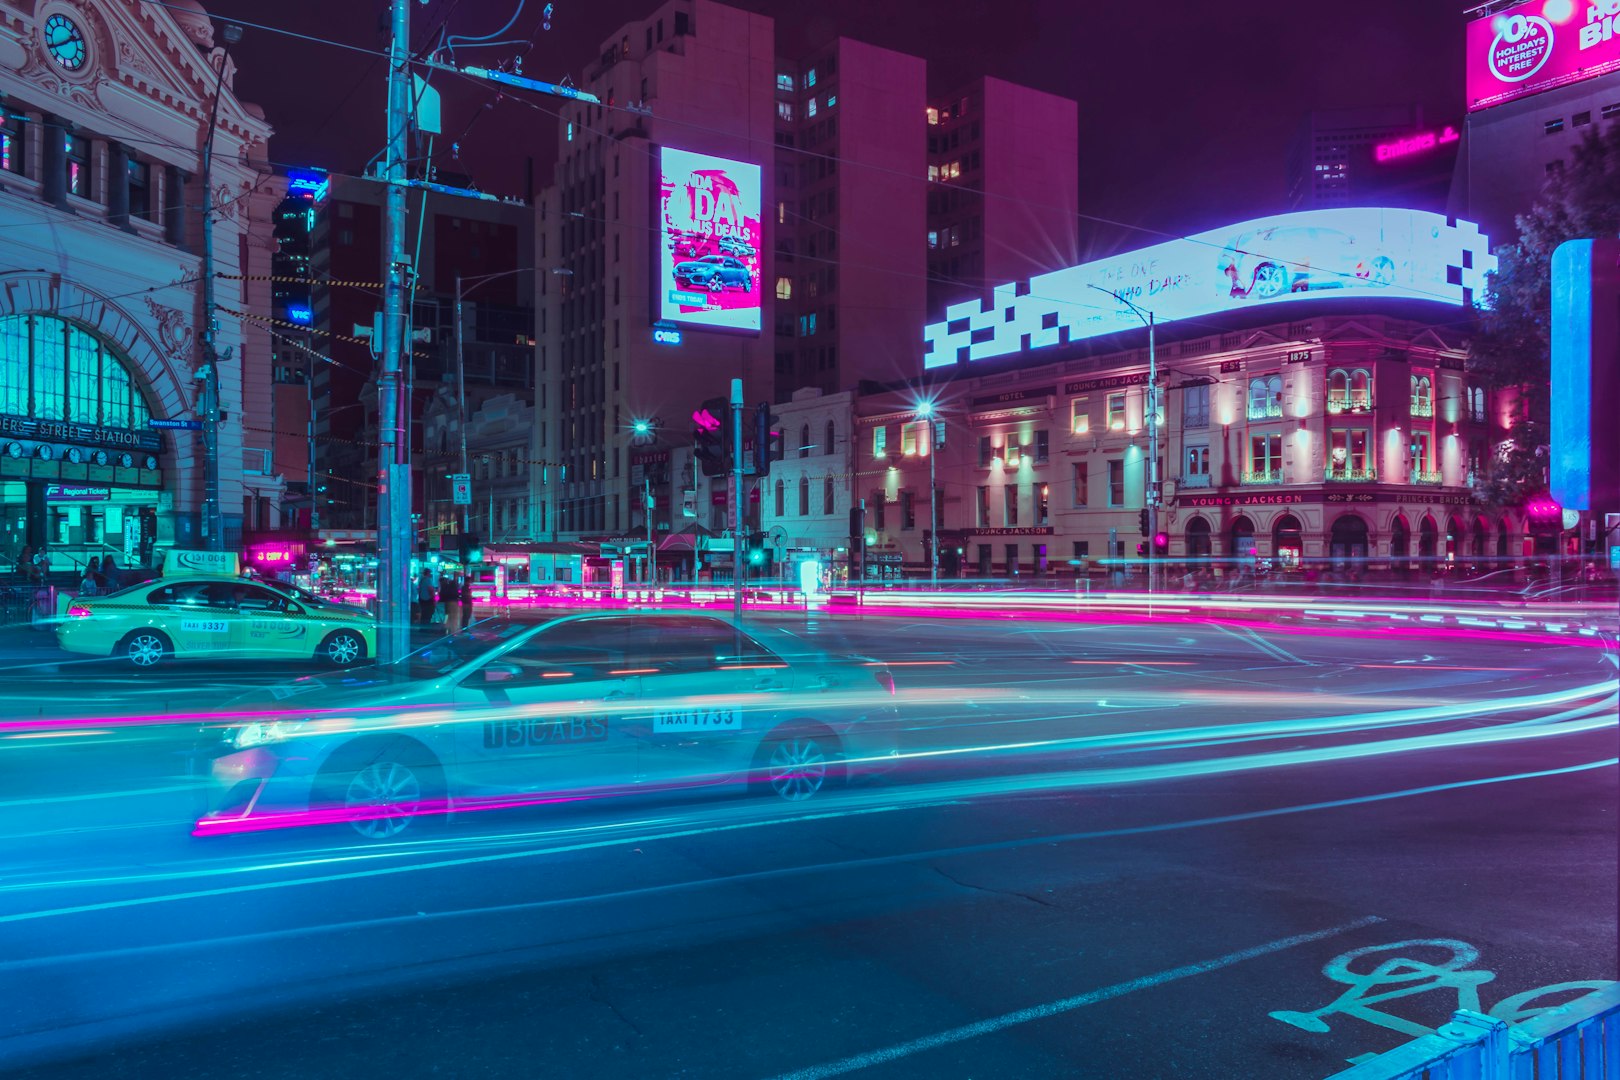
(99, 457)
(75, 456)
(151, 462)
(65, 42)
(126, 460)
(14, 449)
(44, 453)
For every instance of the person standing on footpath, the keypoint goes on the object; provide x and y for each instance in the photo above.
(465, 587)
(451, 599)
(425, 598)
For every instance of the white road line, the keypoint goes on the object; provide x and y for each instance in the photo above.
(1079, 1001)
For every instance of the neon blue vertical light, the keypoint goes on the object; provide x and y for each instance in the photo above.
(1569, 459)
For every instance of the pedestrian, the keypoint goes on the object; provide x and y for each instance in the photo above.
(465, 587)
(38, 567)
(87, 584)
(109, 571)
(425, 598)
(93, 571)
(450, 599)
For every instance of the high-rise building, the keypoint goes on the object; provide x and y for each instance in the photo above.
(850, 272)
(652, 216)
(474, 238)
(1004, 188)
(1374, 156)
(296, 355)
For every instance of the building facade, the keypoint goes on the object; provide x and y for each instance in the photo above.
(1375, 156)
(106, 113)
(1348, 438)
(810, 492)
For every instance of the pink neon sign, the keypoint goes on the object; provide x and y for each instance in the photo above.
(1415, 144)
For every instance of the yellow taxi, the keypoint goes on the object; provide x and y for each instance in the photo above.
(201, 608)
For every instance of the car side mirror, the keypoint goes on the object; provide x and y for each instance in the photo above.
(498, 672)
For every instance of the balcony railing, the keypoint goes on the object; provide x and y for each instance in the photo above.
(1345, 474)
(1338, 406)
(1425, 476)
(1272, 476)
(1193, 480)
(1422, 408)
(1270, 410)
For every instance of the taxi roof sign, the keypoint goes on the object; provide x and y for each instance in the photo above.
(181, 563)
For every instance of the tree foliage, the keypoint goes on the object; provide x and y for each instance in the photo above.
(1511, 346)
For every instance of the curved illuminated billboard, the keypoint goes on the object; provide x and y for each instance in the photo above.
(709, 262)
(1339, 254)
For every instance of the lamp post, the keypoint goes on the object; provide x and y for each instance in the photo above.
(213, 522)
(461, 367)
(926, 410)
(1152, 494)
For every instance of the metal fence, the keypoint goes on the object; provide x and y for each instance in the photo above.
(1577, 1041)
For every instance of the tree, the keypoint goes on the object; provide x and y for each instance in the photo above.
(1511, 348)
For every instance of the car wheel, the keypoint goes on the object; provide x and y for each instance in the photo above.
(144, 649)
(796, 765)
(714, 284)
(1270, 280)
(383, 794)
(343, 648)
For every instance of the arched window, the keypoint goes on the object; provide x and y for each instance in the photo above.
(1265, 397)
(50, 369)
(804, 496)
(804, 440)
(827, 443)
(1360, 390)
(827, 496)
(1422, 396)
(1338, 388)
(781, 498)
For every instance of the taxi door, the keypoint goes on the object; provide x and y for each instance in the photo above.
(547, 716)
(197, 616)
(709, 697)
(264, 628)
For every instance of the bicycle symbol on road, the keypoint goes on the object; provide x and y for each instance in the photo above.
(1379, 974)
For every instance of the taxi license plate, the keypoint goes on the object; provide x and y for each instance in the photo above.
(697, 720)
(203, 626)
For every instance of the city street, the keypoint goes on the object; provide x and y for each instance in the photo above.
(1137, 849)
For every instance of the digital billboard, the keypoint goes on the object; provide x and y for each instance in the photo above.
(709, 262)
(1353, 254)
(1537, 46)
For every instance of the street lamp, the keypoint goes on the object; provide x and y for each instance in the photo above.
(213, 522)
(461, 367)
(1152, 498)
(646, 430)
(925, 409)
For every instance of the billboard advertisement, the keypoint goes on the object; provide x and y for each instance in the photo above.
(709, 264)
(1350, 254)
(1528, 48)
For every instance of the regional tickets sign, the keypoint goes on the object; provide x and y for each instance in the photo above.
(1354, 254)
(1540, 45)
(710, 263)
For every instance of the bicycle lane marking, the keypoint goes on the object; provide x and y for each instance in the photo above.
(995, 1024)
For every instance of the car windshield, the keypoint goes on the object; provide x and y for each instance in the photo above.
(446, 654)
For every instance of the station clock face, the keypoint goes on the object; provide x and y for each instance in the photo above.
(126, 460)
(14, 450)
(44, 453)
(74, 455)
(99, 457)
(65, 42)
(151, 462)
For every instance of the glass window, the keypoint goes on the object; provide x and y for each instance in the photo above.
(784, 82)
(827, 443)
(784, 110)
(1265, 458)
(1347, 454)
(880, 441)
(984, 507)
(827, 496)
(1196, 462)
(908, 439)
(1422, 395)
(1080, 415)
(84, 377)
(78, 166)
(1043, 504)
(804, 440)
(1360, 390)
(781, 498)
(1116, 412)
(908, 509)
(1265, 397)
(1195, 407)
(140, 189)
(784, 288)
(987, 451)
(14, 366)
(1009, 495)
(1116, 482)
(1043, 446)
(50, 368)
(1079, 482)
(1012, 558)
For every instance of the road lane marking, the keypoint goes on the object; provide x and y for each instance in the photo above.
(995, 1024)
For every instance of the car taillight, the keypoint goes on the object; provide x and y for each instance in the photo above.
(885, 680)
(78, 612)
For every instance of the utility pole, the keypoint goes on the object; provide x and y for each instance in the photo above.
(1150, 497)
(393, 471)
(461, 405)
(213, 524)
(652, 552)
(738, 545)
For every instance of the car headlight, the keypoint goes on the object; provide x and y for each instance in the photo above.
(258, 733)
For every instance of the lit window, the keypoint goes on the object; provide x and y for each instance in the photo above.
(810, 108)
(933, 115)
(810, 78)
(908, 440)
(1265, 459)
(933, 238)
(784, 110)
(784, 82)
(832, 99)
(880, 442)
(1116, 412)
(784, 288)
(933, 172)
(1080, 416)
(570, 131)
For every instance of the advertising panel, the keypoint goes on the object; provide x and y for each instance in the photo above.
(709, 264)
(1342, 254)
(1537, 46)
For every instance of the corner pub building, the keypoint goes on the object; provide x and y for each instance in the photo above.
(105, 111)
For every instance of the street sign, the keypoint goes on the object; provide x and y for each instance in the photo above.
(461, 489)
(173, 425)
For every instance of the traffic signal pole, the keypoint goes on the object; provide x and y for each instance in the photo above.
(738, 552)
(393, 471)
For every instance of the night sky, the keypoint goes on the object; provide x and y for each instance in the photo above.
(1186, 106)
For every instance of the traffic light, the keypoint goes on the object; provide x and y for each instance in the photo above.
(768, 439)
(709, 438)
(1161, 544)
(1142, 521)
(1141, 548)
(857, 528)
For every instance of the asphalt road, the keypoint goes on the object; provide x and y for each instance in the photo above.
(1129, 850)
